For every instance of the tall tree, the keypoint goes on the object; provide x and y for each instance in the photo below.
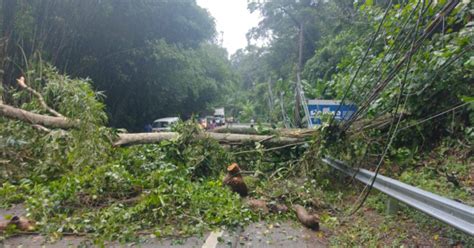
(151, 58)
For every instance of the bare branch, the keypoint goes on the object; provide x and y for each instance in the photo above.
(22, 84)
(34, 118)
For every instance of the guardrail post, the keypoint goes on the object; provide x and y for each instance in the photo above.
(392, 206)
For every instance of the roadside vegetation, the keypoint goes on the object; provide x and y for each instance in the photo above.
(415, 122)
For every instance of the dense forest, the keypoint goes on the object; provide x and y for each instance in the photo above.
(338, 38)
(149, 58)
(74, 72)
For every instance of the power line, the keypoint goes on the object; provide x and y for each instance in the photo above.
(427, 33)
(438, 71)
(394, 131)
(362, 62)
(435, 116)
(395, 44)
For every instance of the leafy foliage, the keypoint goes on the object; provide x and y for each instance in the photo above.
(151, 58)
(42, 157)
(164, 61)
(136, 192)
(74, 182)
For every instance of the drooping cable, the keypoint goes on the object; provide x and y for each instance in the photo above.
(393, 128)
(400, 46)
(429, 30)
(371, 43)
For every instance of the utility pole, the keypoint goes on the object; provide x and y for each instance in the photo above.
(286, 120)
(299, 94)
(297, 116)
(300, 97)
(270, 99)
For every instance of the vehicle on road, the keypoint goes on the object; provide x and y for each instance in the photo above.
(164, 124)
(210, 122)
(219, 116)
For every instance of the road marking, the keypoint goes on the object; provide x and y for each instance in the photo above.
(212, 240)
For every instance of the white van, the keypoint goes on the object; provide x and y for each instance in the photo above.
(164, 124)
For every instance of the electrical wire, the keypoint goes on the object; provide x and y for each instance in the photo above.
(351, 83)
(393, 129)
(395, 43)
(429, 30)
(438, 72)
(402, 45)
(435, 115)
(397, 52)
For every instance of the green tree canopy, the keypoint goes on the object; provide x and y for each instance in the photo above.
(151, 58)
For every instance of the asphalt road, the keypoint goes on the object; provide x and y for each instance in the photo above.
(260, 235)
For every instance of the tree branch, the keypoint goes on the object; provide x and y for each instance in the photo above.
(22, 84)
(33, 118)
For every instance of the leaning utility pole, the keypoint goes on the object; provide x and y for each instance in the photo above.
(300, 98)
(270, 99)
(297, 116)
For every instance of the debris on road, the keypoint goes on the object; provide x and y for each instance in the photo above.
(235, 180)
(309, 220)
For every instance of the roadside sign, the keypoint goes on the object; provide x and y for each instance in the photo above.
(319, 108)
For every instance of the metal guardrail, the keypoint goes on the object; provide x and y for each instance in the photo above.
(453, 213)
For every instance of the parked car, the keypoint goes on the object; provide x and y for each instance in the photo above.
(164, 124)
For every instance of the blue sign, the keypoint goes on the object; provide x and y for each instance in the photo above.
(319, 108)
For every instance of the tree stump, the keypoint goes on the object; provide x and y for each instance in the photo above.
(235, 181)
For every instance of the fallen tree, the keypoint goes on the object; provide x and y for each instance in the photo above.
(43, 122)
(286, 132)
(234, 129)
(136, 138)
(281, 137)
(284, 137)
(226, 135)
(228, 138)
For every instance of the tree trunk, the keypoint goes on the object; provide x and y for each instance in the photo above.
(136, 138)
(231, 129)
(143, 138)
(150, 138)
(33, 118)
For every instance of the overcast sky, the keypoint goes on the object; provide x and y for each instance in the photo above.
(232, 18)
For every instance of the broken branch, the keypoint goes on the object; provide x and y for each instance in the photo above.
(22, 84)
(33, 118)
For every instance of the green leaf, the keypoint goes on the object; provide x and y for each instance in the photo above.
(467, 98)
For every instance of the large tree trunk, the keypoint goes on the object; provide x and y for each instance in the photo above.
(229, 138)
(232, 129)
(143, 138)
(136, 138)
(282, 137)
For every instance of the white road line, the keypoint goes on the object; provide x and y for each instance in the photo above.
(212, 240)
